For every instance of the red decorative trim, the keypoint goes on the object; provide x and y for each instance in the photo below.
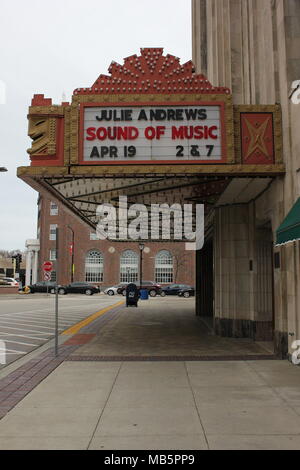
(39, 100)
(148, 162)
(257, 138)
(149, 73)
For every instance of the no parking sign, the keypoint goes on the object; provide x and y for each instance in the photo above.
(47, 276)
(47, 268)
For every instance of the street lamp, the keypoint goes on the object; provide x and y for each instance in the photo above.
(72, 253)
(141, 247)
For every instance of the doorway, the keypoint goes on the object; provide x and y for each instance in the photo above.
(205, 280)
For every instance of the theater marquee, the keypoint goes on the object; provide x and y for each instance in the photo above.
(152, 129)
(161, 133)
(153, 115)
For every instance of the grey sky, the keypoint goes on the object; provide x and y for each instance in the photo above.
(55, 47)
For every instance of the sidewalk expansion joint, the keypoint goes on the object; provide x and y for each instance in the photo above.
(160, 358)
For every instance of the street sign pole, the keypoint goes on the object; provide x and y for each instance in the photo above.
(47, 267)
(56, 295)
(14, 268)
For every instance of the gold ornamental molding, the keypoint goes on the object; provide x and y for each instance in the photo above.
(183, 170)
(152, 170)
(40, 171)
(42, 131)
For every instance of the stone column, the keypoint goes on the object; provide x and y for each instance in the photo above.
(28, 267)
(233, 247)
(33, 247)
(35, 267)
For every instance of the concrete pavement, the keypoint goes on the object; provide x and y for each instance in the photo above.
(166, 327)
(78, 403)
(159, 405)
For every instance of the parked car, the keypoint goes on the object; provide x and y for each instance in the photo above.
(78, 288)
(173, 289)
(152, 287)
(188, 291)
(122, 288)
(11, 281)
(115, 289)
(40, 287)
(3, 282)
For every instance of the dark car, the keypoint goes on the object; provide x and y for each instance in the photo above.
(40, 286)
(188, 291)
(79, 288)
(173, 289)
(152, 288)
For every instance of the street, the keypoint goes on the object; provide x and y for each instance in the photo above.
(28, 321)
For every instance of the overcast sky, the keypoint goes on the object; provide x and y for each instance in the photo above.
(54, 47)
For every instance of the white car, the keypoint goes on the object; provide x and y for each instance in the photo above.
(11, 281)
(111, 290)
(114, 289)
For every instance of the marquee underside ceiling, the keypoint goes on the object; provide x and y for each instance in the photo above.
(83, 194)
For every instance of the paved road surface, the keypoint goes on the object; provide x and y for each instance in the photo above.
(27, 322)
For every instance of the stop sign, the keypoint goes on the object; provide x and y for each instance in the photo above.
(47, 266)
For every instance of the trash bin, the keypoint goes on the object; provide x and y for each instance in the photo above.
(144, 294)
(132, 295)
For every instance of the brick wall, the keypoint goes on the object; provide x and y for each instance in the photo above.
(184, 261)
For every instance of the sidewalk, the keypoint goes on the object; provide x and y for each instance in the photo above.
(72, 402)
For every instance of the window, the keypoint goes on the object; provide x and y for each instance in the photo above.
(53, 208)
(164, 267)
(53, 276)
(94, 266)
(53, 232)
(129, 266)
(52, 256)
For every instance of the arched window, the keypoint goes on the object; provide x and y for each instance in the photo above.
(164, 267)
(94, 266)
(129, 266)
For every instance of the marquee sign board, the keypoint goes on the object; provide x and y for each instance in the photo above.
(162, 133)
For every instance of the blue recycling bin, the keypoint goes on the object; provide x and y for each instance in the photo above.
(144, 294)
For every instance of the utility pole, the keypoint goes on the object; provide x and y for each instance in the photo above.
(14, 262)
(141, 247)
(56, 294)
(72, 254)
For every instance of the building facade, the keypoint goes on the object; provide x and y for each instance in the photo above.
(104, 262)
(191, 141)
(253, 47)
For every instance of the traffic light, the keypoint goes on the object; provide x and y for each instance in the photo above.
(17, 260)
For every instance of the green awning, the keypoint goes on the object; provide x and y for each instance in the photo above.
(289, 229)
